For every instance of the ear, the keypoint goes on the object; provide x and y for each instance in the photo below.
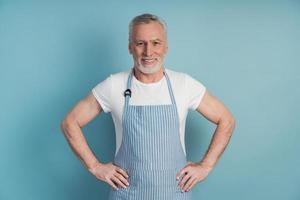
(166, 50)
(129, 48)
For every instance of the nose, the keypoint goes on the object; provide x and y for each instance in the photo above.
(148, 50)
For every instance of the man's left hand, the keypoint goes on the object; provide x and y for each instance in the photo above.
(191, 174)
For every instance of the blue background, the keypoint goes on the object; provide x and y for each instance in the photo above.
(245, 52)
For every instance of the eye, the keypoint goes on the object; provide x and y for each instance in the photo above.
(155, 43)
(139, 43)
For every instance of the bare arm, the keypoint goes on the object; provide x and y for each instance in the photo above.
(83, 112)
(215, 111)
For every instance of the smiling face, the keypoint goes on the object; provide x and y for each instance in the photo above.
(148, 47)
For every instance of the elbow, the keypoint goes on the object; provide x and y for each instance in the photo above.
(66, 126)
(63, 126)
(228, 122)
(231, 123)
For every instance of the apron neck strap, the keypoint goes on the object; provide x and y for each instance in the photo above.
(129, 81)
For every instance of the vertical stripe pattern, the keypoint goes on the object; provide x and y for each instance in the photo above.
(150, 151)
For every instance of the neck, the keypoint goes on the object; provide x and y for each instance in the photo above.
(148, 78)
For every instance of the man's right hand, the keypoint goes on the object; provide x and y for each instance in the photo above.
(111, 174)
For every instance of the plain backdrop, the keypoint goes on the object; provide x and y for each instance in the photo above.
(52, 53)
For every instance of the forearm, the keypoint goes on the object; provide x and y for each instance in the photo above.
(79, 144)
(218, 143)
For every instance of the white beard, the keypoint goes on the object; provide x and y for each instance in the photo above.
(148, 70)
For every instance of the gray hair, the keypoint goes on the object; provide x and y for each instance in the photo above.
(146, 19)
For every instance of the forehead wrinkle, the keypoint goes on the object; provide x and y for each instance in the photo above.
(151, 40)
(138, 34)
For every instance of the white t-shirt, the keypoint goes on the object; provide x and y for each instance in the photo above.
(188, 94)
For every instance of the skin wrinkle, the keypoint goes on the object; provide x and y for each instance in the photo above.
(148, 34)
(148, 41)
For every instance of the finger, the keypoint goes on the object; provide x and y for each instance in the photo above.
(192, 185)
(181, 173)
(188, 183)
(116, 180)
(189, 162)
(112, 184)
(184, 180)
(121, 178)
(121, 171)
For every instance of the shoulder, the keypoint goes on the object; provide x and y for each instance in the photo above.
(117, 79)
(111, 81)
(179, 77)
(191, 87)
(176, 75)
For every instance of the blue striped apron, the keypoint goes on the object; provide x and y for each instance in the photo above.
(150, 151)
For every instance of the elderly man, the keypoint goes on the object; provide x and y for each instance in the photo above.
(149, 105)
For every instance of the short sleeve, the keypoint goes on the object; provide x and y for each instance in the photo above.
(195, 92)
(102, 93)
